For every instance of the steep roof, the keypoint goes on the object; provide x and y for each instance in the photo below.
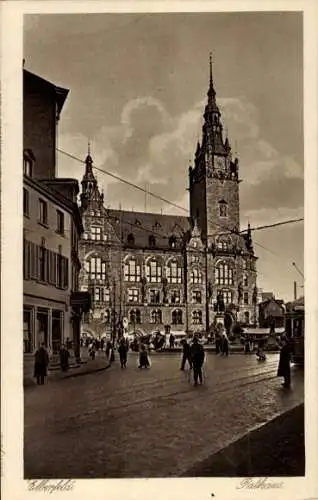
(36, 81)
(142, 225)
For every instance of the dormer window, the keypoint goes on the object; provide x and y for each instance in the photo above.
(222, 208)
(130, 239)
(27, 167)
(172, 242)
(152, 241)
(28, 161)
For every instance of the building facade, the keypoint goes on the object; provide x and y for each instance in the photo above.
(150, 271)
(51, 225)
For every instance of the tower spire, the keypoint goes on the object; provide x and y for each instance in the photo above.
(89, 148)
(211, 92)
(211, 74)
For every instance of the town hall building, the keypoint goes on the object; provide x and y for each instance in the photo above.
(151, 272)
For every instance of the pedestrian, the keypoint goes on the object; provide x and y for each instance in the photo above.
(225, 344)
(111, 353)
(171, 341)
(260, 354)
(284, 362)
(197, 358)
(217, 342)
(41, 363)
(122, 350)
(186, 356)
(64, 358)
(92, 351)
(143, 357)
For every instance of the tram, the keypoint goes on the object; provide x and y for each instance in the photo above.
(295, 329)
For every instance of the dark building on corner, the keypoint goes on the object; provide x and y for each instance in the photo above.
(156, 271)
(52, 225)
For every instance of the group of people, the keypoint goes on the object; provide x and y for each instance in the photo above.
(221, 343)
(193, 354)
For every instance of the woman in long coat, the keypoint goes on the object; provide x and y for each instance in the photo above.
(225, 344)
(284, 362)
(40, 364)
(122, 350)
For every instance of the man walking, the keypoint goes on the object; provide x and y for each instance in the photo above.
(197, 358)
(40, 364)
(186, 356)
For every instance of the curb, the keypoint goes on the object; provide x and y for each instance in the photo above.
(81, 374)
(27, 383)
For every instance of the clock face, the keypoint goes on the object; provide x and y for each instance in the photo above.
(219, 162)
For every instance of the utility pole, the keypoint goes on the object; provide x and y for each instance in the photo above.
(295, 290)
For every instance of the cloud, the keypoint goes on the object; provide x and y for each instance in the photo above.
(151, 147)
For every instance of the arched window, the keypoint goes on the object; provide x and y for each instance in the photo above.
(196, 276)
(152, 241)
(246, 317)
(196, 296)
(132, 270)
(223, 274)
(172, 242)
(156, 317)
(130, 239)
(174, 272)
(245, 279)
(223, 208)
(197, 317)
(154, 271)
(135, 316)
(177, 317)
(96, 268)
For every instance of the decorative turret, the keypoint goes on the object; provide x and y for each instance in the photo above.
(90, 190)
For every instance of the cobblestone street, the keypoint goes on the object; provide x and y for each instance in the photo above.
(136, 423)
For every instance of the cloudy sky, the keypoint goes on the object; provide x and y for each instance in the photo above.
(138, 86)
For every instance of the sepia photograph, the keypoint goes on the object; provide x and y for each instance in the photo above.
(158, 239)
(163, 247)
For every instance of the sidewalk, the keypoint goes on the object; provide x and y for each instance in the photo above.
(275, 449)
(87, 366)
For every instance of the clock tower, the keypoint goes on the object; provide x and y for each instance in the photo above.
(214, 183)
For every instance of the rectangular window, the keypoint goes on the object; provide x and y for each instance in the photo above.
(25, 202)
(97, 294)
(59, 222)
(175, 297)
(227, 296)
(62, 272)
(133, 295)
(42, 264)
(132, 271)
(96, 233)
(196, 297)
(26, 260)
(174, 273)
(27, 331)
(106, 297)
(43, 212)
(153, 272)
(245, 280)
(246, 298)
(154, 296)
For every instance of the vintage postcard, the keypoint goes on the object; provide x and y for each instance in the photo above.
(159, 218)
